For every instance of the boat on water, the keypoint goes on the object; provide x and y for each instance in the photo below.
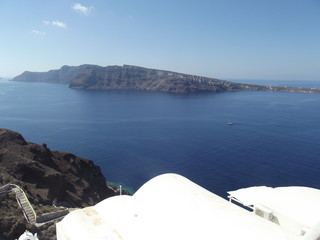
(230, 123)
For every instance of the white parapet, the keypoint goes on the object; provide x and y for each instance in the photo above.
(295, 208)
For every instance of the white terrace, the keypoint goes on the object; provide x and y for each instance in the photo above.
(172, 207)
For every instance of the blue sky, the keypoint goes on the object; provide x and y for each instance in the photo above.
(226, 39)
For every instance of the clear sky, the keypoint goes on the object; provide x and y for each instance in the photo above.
(226, 39)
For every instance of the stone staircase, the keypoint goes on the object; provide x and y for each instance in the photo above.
(22, 200)
(25, 205)
(27, 208)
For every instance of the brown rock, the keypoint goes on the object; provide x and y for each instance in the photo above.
(47, 177)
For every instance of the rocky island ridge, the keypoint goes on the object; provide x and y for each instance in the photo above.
(139, 78)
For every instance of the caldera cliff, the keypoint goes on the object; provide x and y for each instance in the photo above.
(47, 177)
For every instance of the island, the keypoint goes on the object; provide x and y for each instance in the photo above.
(139, 78)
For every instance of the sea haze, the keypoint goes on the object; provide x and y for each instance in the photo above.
(134, 136)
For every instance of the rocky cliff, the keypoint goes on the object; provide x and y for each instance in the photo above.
(132, 77)
(139, 78)
(47, 177)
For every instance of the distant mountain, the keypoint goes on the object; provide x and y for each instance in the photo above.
(139, 78)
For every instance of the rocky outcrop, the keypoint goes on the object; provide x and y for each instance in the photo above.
(47, 177)
(139, 78)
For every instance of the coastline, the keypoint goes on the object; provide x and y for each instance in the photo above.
(117, 187)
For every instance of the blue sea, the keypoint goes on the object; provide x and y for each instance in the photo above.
(135, 135)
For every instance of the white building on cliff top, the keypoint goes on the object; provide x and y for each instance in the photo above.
(172, 207)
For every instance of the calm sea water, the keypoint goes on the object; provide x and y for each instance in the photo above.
(135, 135)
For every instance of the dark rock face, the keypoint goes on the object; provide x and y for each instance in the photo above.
(46, 176)
(131, 77)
